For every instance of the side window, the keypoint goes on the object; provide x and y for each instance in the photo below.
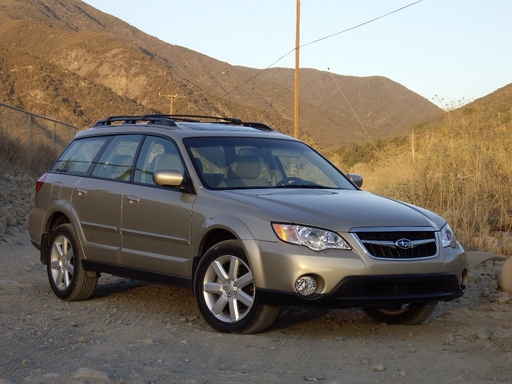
(117, 160)
(79, 155)
(210, 163)
(157, 154)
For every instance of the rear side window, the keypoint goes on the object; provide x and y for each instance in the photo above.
(117, 160)
(79, 156)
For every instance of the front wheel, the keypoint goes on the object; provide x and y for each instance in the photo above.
(225, 293)
(68, 279)
(408, 314)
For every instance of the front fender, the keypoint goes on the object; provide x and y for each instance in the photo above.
(240, 231)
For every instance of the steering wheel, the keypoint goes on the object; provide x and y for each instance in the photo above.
(288, 181)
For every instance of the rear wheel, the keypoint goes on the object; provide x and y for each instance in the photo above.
(68, 279)
(225, 293)
(407, 314)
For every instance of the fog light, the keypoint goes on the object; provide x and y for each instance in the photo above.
(305, 285)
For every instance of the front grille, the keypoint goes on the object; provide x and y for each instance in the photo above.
(399, 244)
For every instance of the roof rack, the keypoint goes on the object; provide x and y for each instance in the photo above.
(223, 120)
(195, 118)
(134, 119)
(260, 126)
(169, 120)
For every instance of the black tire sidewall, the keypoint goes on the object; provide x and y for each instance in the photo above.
(233, 248)
(67, 231)
(415, 314)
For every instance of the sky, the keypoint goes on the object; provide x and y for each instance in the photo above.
(449, 51)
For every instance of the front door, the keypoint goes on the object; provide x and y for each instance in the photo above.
(155, 222)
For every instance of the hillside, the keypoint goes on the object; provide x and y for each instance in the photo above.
(489, 115)
(381, 107)
(74, 63)
(457, 166)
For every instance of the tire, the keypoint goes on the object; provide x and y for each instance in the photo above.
(68, 279)
(408, 314)
(225, 292)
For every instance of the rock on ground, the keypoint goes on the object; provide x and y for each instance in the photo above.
(16, 201)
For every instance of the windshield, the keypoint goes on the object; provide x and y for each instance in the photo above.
(242, 163)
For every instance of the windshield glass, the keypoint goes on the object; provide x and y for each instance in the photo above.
(241, 163)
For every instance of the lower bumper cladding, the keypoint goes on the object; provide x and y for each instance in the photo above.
(375, 291)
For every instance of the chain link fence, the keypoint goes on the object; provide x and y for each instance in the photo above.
(30, 142)
(33, 130)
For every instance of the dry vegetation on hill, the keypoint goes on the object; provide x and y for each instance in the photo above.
(71, 62)
(459, 168)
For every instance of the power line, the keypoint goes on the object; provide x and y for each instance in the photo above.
(236, 29)
(321, 39)
(360, 25)
(352, 109)
(266, 37)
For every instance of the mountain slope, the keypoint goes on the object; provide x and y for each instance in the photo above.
(374, 104)
(133, 70)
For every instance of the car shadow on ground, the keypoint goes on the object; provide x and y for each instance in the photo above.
(111, 285)
(290, 317)
(158, 299)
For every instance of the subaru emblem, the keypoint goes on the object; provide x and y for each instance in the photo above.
(404, 244)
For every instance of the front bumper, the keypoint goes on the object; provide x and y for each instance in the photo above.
(351, 278)
(375, 291)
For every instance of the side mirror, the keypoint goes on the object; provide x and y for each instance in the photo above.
(168, 178)
(356, 179)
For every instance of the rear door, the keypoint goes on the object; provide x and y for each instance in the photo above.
(73, 189)
(97, 199)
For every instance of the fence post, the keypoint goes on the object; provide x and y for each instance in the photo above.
(29, 140)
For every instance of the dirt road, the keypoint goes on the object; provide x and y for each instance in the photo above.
(132, 332)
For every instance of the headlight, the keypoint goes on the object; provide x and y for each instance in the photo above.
(313, 238)
(448, 237)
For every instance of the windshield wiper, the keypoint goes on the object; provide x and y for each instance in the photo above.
(309, 186)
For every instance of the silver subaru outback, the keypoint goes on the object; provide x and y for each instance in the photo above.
(249, 218)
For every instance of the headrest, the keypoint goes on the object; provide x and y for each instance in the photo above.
(168, 162)
(245, 167)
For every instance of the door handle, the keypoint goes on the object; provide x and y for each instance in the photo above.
(133, 200)
(81, 192)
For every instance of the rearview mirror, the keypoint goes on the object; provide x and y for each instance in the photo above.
(356, 179)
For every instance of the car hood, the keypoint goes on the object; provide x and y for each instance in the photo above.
(339, 210)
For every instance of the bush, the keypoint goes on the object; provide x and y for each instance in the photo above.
(16, 156)
(460, 169)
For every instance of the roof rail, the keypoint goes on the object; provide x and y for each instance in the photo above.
(134, 119)
(260, 126)
(220, 119)
(169, 120)
(195, 118)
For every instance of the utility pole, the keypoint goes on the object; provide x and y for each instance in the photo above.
(171, 99)
(296, 121)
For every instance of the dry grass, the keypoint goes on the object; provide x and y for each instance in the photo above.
(16, 156)
(460, 170)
